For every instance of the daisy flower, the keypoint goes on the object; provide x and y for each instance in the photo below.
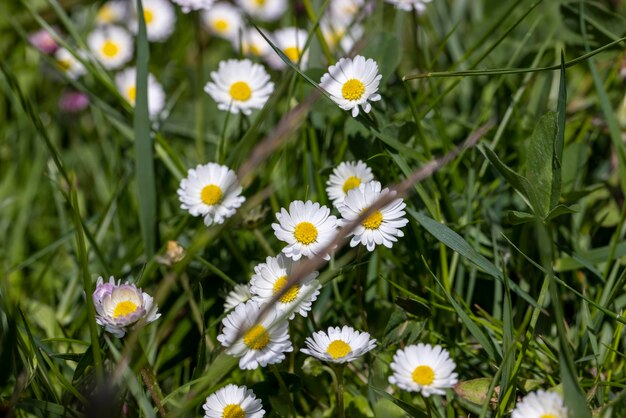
(382, 226)
(353, 83)
(291, 42)
(111, 45)
(338, 345)
(261, 344)
(240, 86)
(112, 11)
(212, 191)
(233, 401)
(253, 43)
(540, 404)
(126, 83)
(68, 64)
(223, 20)
(268, 10)
(189, 5)
(239, 294)
(122, 306)
(346, 10)
(418, 5)
(160, 18)
(339, 36)
(43, 41)
(306, 228)
(423, 368)
(271, 277)
(345, 177)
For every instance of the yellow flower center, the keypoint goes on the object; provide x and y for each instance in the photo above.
(548, 416)
(124, 308)
(211, 195)
(220, 25)
(64, 65)
(110, 48)
(105, 14)
(305, 233)
(131, 93)
(255, 50)
(233, 410)
(423, 375)
(260, 2)
(293, 53)
(148, 16)
(352, 89)
(240, 90)
(338, 349)
(351, 183)
(374, 220)
(290, 295)
(257, 337)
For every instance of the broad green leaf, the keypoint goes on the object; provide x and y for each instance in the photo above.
(559, 140)
(515, 217)
(520, 183)
(539, 171)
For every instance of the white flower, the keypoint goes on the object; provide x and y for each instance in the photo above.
(212, 191)
(126, 83)
(271, 277)
(346, 10)
(112, 11)
(423, 368)
(345, 177)
(260, 344)
(189, 5)
(160, 18)
(239, 86)
(291, 42)
(239, 294)
(253, 43)
(111, 45)
(306, 228)
(68, 64)
(353, 83)
(233, 402)
(338, 345)
(223, 20)
(122, 306)
(540, 404)
(382, 226)
(339, 36)
(408, 5)
(268, 10)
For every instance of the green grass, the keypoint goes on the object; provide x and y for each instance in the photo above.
(501, 122)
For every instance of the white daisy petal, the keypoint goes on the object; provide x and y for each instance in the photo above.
(345, 177)
(239, 294)
(160, 18)
(212, 191)
(540, 404)
(233, 401)
(338, 345)
(418, 5)
(381, 227)
(260, 344)
(68, 64)
(190, 5)
(271, 277)
(352, 82)
(121, 307)
(240, 86)
(126, 83)
(423, 368)
(268, 10)
(111, 45)
(291, 42)
(307, 228)
(223, 20)
(113, 11)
